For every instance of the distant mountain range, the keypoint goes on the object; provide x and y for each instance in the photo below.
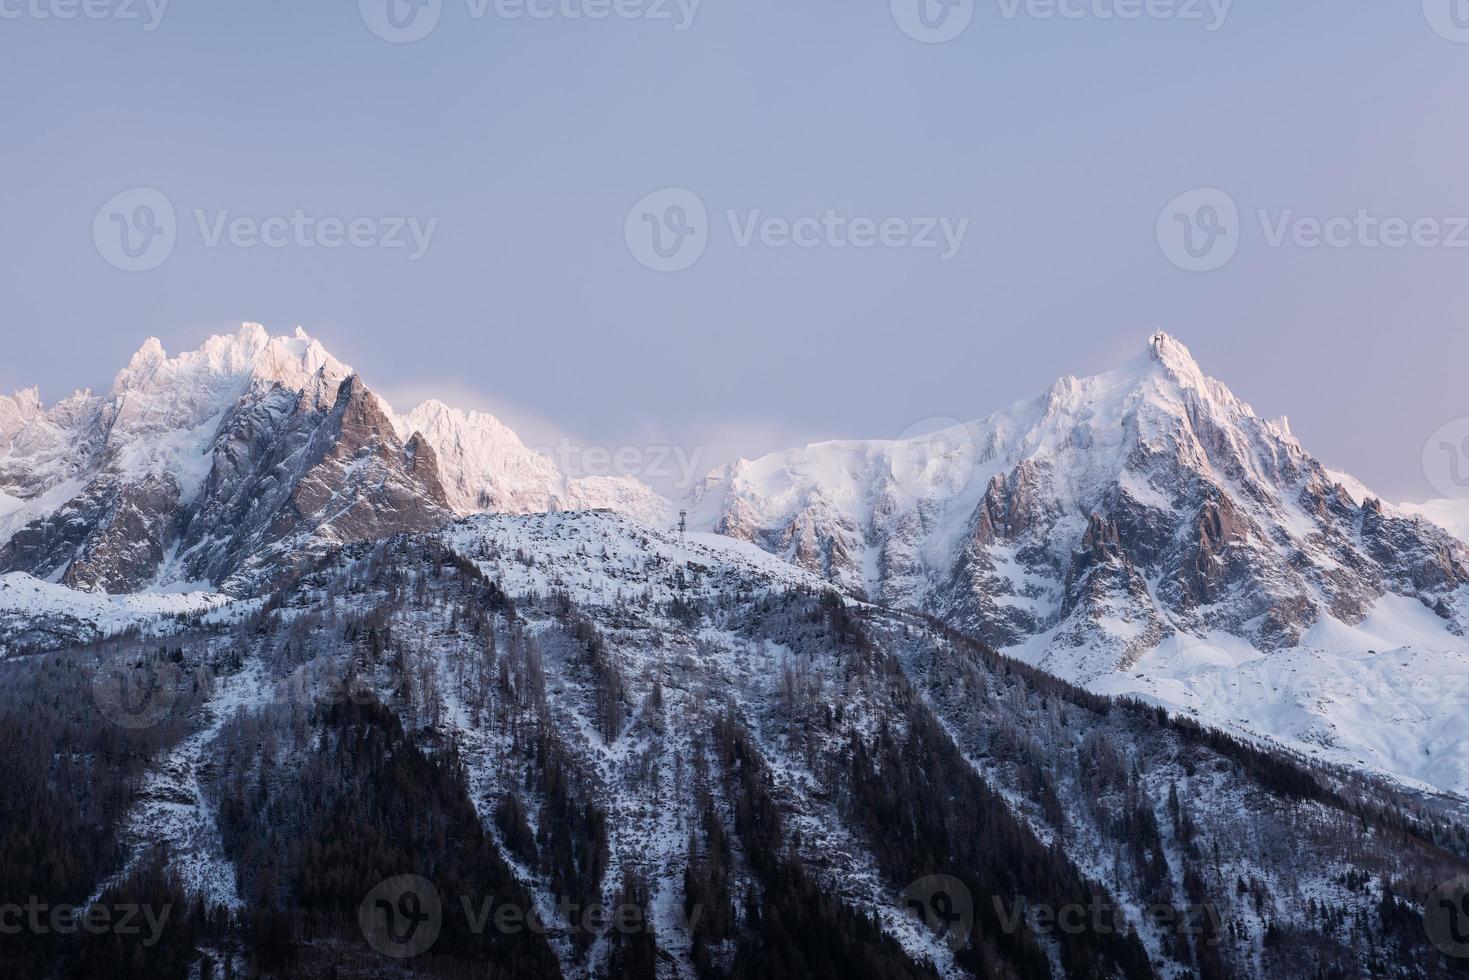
(267, 641)
(1142, 531)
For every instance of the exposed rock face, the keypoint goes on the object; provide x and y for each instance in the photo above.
(290, 476)
(1104, 590)
(216, 463)
(1089, 524)
(111, 537)
(229, 463)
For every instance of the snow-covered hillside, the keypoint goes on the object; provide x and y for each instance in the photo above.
(45, 615)
(1389, 694)
(563, 709)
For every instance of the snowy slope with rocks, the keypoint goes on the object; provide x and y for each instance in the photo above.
(1115, 519)
(44, 615)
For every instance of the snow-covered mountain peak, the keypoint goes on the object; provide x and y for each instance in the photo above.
(290, 361)
(29, 398)
(150, 354)
(1085, 526)
(437, 416)
(224, 366)
(484, 466)
(1174, 356)
(17, 411)
(197, 464)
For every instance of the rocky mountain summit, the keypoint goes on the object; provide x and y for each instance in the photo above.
(222, 465)
(1086, 526)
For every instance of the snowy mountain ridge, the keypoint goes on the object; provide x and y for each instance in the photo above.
(1144, 531)
(144, 485)
(1151, 489)
(323, 672)
(487, 468)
